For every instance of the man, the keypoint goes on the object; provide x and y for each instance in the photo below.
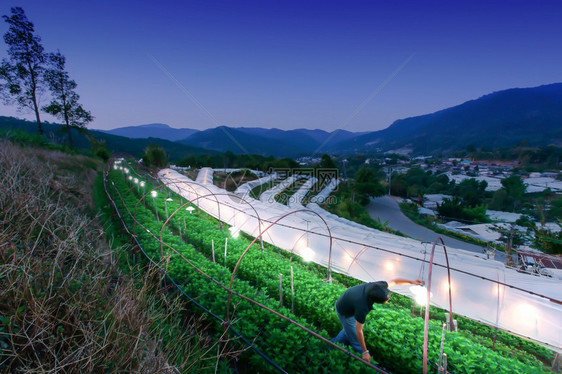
(353, 306)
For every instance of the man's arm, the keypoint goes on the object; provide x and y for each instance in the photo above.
(359, 330)
(401, 281)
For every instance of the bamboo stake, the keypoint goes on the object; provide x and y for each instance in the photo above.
(292, 293)
(441, 347)
(281, 290)
(225, 246)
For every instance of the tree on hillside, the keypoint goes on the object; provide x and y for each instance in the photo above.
(282, 163)
(511, 238)
(451, 208)
(154, 155)
(21, 74)
(455, 209)
(326, 162)
(440, 184)
(229, 159)
(99, 148)
(64, 104)
(398, 185)
(550, 241)
(514, 187)
(499, 200)
(555, 211)
(367, 185)
(471, 192)
(514, 191)
(544, 237)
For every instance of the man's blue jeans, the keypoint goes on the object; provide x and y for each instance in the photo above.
(348, 335)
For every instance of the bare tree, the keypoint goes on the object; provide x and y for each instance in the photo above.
(21, 74)
(64, 104)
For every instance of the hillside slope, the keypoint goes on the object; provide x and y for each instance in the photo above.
(152, 130)
(500, 119)
(116, 144)
(65, 303)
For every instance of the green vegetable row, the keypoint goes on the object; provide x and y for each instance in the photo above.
(273, 335)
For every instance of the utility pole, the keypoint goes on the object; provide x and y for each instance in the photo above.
(389, 179)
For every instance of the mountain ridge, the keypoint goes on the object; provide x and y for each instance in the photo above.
(151, 130)
(499, 119)
(495, 120)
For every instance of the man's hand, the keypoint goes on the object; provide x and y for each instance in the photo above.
(366, 356)
(419, 282)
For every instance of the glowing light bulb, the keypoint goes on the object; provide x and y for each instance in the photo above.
(445, 286)
(420, 294)
(307, 254)
(389, 266)
(234, 231)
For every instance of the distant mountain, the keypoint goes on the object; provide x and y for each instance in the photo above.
(152, 130)
(500, 119)
(115, 143)
(241, 140)
(268, 142)
(253, 140)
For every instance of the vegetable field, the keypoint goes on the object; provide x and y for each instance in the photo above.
(280, 316)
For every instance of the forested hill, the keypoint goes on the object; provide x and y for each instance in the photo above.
(116, 144)
(500, 119)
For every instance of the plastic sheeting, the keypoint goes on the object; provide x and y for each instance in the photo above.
(483, 290)
(245, 189)
(325, 193)
(268, 196)
(295, 202)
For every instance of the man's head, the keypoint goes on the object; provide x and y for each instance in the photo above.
(378, 293)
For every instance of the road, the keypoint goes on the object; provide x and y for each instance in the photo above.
(386, 209)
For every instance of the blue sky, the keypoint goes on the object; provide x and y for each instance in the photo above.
(356, 65)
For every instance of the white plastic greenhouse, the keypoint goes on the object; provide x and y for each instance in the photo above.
(482, 289)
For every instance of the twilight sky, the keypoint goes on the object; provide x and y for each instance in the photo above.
(356, 65)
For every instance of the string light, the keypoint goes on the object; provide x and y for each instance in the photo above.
(307, 254)
(420, 294)
(234, 231)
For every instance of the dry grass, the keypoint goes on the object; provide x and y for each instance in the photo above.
(65, 306)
